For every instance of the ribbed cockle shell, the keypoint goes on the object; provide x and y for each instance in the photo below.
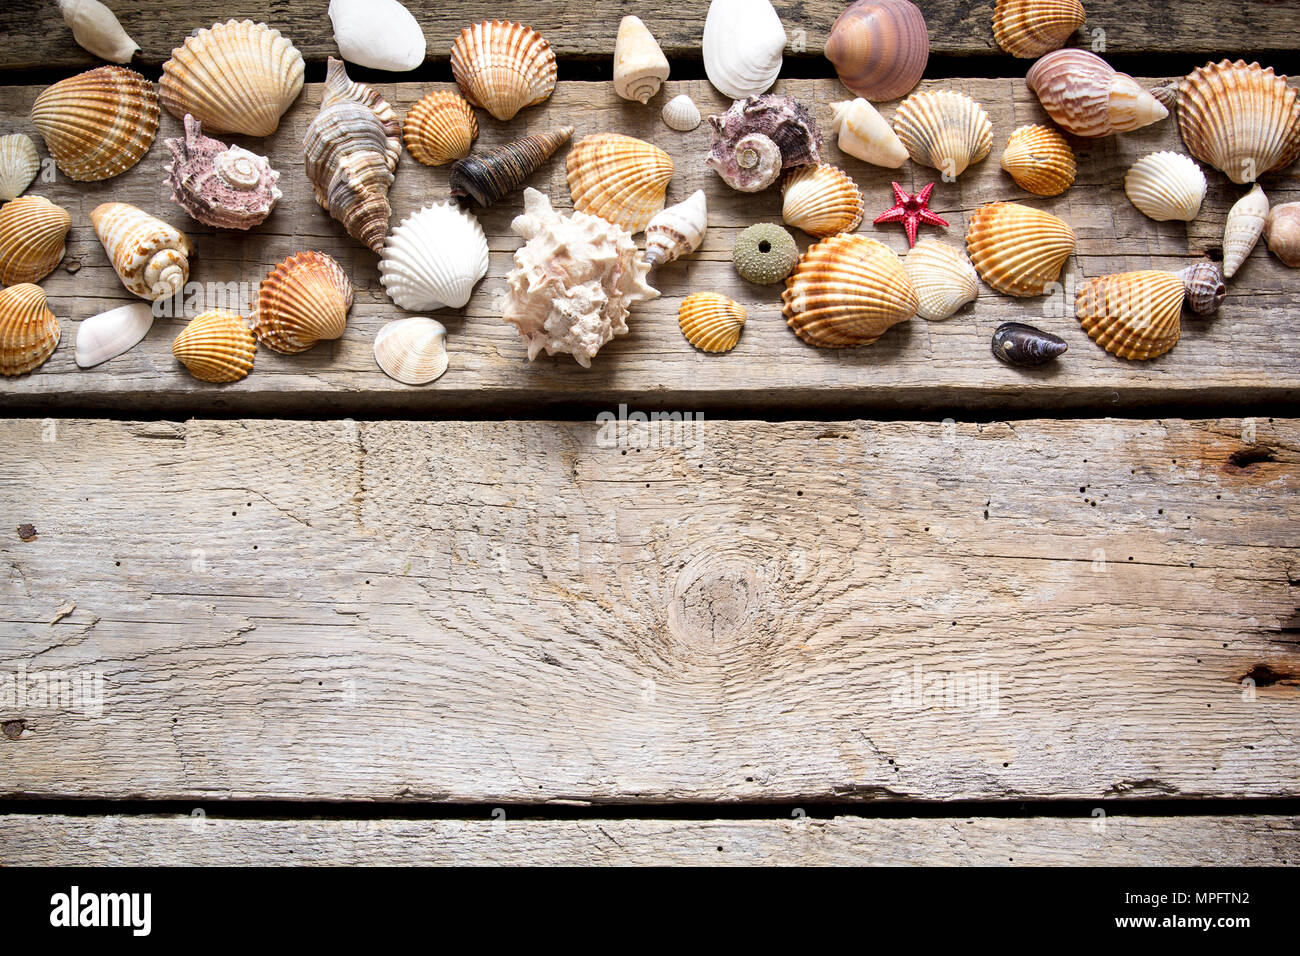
(619, 178)
(681, 113)
(434, 258)
(151, 257)
(223, 186)
(677, 231)
(943, 278)
(32, 234)
(217, 346)
(1239, 118)
(1016, 249)
(440, 128)
(879, 48)
(19, 164)
(1087, 97)
(1244, 226)
(759, 138)
(490, 176)
(822, 200)
(847, 291)
(1166, 186)
(29, 332)
(1134, 315)
(99, 123)
(711, 322)
(503, 67)
(302, 301)
(944, 129)
(1029, 28)
(1039, 160)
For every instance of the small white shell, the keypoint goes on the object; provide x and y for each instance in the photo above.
(434, 258)
(743, 44)
(96, 30)
(943, 278)
(862, 132)
(379, 34)
(677, 231)
(1244, 226)
(681, 113)
(1166, 186)
(19, 164)
(109, 334)
(412, 351)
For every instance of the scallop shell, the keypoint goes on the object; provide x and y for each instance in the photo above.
(379, 34)
(440, 128)
(19, 164)
(434, 258)
(302, 301)
(1016, 249)
(32, 235)
(226, 187)
(1244, 226)
(944, 129)
(412, 351)
(1204, 287)
(97, 30)
(756, 139)
(943, 278)
(619, 178)
(1018, 344)
(1166, 186)
(743, 45)
(1242, 120)
(235, 77)
(29, 332)
(1282, 232)
(879, 48)
(847, 291)
(489, 176)
(677, 231)
(1085, 96)
(862, 132)
(503, 67)
(640, 67)
(1039, 160)
(109, 334)
(98, 124)
(764, 254)
(150, 257)
(217, 346)
(711, 322)
(1134, 315)
(822, 200)
(1029, 28)
(681, 113)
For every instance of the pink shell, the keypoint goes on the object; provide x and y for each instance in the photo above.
(218, 185)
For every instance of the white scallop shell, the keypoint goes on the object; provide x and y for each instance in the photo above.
(1244, 226)
(1166, 186)
(379, 34)
(943, 278)
(862, 132)
(743, 44)
(109, 334)
(96, 30)
(681, 113)
(434, 258)
(19, 164)
(412, 351)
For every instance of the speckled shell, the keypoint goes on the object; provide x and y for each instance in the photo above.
(681, 113)
(492, 175)
(217, 346)
(151, 257)
(302, 301)
(32, 235)
(822, 200)
(235, 77)
(764, 254)
(440, 128)
(1282, 232)
(1018, 344)
(1016, 249)
(640, 67)
(503, 67)
(1166, 186)
(742, 45)
(98, 124)
(29, 332)
(19, 164)
(412, 351)
(711, 322)
(434, 258)
(1085, 96)
(1039, 160)
(1029, 28)
(621, 179)
(677, 231)
(758, 138)
(847, 291)
(879, 48)
(944, 129)
(226, 187)
(1204, 287)
(1242, 229)
(1239, 118)
(943, 278)
(863, 133)
(1134, 315)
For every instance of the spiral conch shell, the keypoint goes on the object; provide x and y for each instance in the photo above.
(1029, 28)
(1134, 315)
(440, 128)
(1244, 226)
(1039, 160)
(413, 350)
(879, 48)
(944, 129)
(743, 45)
(217, 347)
(19, 164)
(434, 258)
(29, 332)
(640, 67)
(235, 77)
(862, 132)
(943, 278)
(98, 124)
(1166, 186)
(1239, 118)
(1204, 287)
(1016, 249)
(677, 231)
(226, 187)
(150, 257)
(1085, 96)
(503, 67)
(619, 178)
(32, 234)
(759, 138)
(711, 322)
(822, 200)
(302, 301)
(97, 30)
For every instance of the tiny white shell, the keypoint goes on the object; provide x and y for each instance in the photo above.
(434, 258)
(109, 334)
(379, 34)
(19, 164)
(97, 30)
(681, 113)
(412, 351)
(1166, 186)
(1244, 226)
(943, 278)
(743, 45)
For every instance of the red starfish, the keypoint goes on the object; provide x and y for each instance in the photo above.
(911, 211)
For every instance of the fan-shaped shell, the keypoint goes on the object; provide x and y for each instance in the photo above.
(681, 113)
(618, 178)
(1204, 287)
(227, 187)
(99, 123)
(412, 351)
(32, 234)
(1239, 118)
(1085, 96)
(1134, 315)
(711, 322)
(29, 332)
(1029, 28)
(434, 258)
(150, 257)
(302, 301)
(489, 176)
(742, 45)
(109, 334)
(943, 278)
(1244, 226)
(944, 129)
(235, 77)
(1016, 249)
(640, 66)
(440, 128)
(879, 48)
(19, 164)
(677, 231)
(217, 346)
(822, 200)
(1282, 232)
(862, 132)
(1039, 160)
(503, 67)
(847, 291)
(1166, 186)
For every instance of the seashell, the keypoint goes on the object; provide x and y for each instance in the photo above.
(235, 77)
(619, 178)
(1204, 287)
(29, 332)
(1244, 226)
(1039, 160)
(677, 231)
(861, 131)
(412, 351)
(1134, 315)
(681, 113)
(19, 164)
(434, 258)
(759, 138)
(217, 346)
(1166, 186)
(879, 48)
(711, 322)
(640, 67)
(503, 67)
(574, 282)
(743, 44)
(764, 254)
(32, 235)
(150, 257)
(1282, 233)
(1018, 344)
(379, 34)
(822, 200)
(944, 129)
(97, 30)
(1242, 120)
(490, 176)
(302, 301)
(110, 334)
(1029, 28)
(1086, 97)
(847, 291)
(1016, 249)
(223, 186)
(99, 123)
(440, 128)
(943, 278)
(350, 151)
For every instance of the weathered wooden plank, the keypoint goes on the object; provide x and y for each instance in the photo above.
(841, 841)
(527, 612)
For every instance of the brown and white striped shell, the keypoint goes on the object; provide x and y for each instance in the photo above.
(822, 200)
(847, 291)
(302, 301)
(618, 178)
(1242, 119)
(945, 129)
(1018, 250)
(489, 176)
(503, 67)
(151, 257)
(1134, 315)
(29, 332)
(879, 48)
(217, 346)
(1029, 28)
(32, 235)
(440, 128)
(1085, 96)
(1039, 160)
(98, 124)
(711, 322)
(677, 231)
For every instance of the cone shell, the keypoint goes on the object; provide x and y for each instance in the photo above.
(677, 231)
(217, 346)
(19, 164)
(944, 129)
(847, 291)
(1282, 232)
(711, 322)
(862, 132)
(618, 178)
(821, 200)
(1239, 118)
(492, 175)
(681, 113)
(1085, 96)
(29, 332)
(32, 234)
(236, 77)
(1244, 226)
(301, 301)
(1029, 28)
(150, 257)
(440, 128)
(1039, 160)
(434, 258)
(943, 278)
(1166, 186)
(412, 351)
(1134, 315)
(503, 67)
(640, 67)
(98, 124)
(879, 48)
(1204, 287)
(1016, 249)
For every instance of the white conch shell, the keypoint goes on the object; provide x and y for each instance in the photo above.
(743, 44)
(19, 164)
(412, 351)
(943, 278)
(677, 231)
(95, 28)
(434, 258)
(150, 257)
(862, 132)
(681, 113)
(640, 67)
(1166, 186)
(1244, 226)
(379, 34)
(109, 334)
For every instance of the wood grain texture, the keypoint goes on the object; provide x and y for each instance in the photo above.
(528, 612)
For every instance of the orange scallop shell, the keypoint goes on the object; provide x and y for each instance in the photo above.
(847, 291)
(440, 128)
(217, 346)
(1134, 315)
(32, 234)
(1016, 249)
(29, 331)
(302, 301)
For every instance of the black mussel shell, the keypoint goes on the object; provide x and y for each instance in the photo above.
(1018, 344)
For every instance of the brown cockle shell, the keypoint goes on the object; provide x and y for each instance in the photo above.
(29, 332)
(1134, 315)
(1016, 249)
(822, 200)
(440, 128)
(1239, 118)
(226, 187)
(879, 48)
(1282, 232)
(1039, 160)
(302, 301)
(490, 176)
(98, 124)
(618, 178)
(711, 322)
(32, 235)
(1085, 96)
(217, 346)
(1030, 28)
(759, 138)
(503, 67)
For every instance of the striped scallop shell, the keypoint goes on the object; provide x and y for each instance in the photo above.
(1016, 249)
(29, 332)
(491, 175)
(1134, 315)
(151, 257)
(32, 234)
(503, 67)
(1029, 28)
(822, 200)
(412, 351)
(711, 322)
(440, 128)
(19, 164)
(944, 129)
(217, 346)
(434, 258)
(1166, 186)
(301, 301)
(1239, 118)
(943, 278)
(98, 124)
(618, 178)
(1039, 160)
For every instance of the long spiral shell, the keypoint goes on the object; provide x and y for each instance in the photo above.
(492, 175)
(98, 124)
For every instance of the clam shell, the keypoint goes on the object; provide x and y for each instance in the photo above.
(1018, 344)
(440, 128)
(1241, 119)
(412, 351)
(29, 332)
(150, 257)
(879, 48)
(98, 124)
(943, 278)
(677, 231)
(743, 44)
(1166, 186)
(711, 322)
(302, 301)
(32, 234)
(764, 254)
(640, 67)
(1244, 226)
(379, 34)
(1016, 249)
(1039, 160)
(97, 30)
(618, 178)
(489, 176)
(847, 291)
(862, 132)
(235, 77)
(822, 200)
(1204, 287)
(226, 187)
(1085, 96)
(434, 258)
(19, 164)
(217, 346)
(503, 67)
(681, 113)
(1029, 28)
(109, 334)
(944, 129)
(1282, 232)
(1134, 315)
